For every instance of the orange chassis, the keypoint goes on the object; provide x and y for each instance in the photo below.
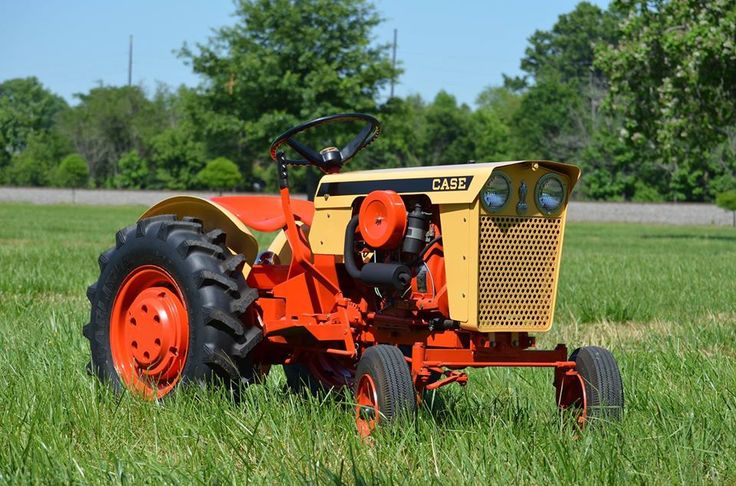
(311, 311)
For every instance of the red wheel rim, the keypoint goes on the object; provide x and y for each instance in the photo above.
(571, 394)
(367, 411)
(149, 332)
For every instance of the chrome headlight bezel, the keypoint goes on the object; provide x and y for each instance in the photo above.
(539, 189)
(507, 180)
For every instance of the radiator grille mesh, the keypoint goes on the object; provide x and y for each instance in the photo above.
(516, 277)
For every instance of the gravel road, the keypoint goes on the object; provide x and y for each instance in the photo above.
(659, 213)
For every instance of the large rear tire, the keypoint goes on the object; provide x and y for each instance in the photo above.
(167, 310)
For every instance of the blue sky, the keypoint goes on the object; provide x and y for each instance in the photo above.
(460, 46)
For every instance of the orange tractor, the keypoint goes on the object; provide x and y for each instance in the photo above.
(391, 283)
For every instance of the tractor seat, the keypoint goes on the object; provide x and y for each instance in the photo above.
(264, 213)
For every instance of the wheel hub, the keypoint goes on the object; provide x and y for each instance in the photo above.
(571, 395)
(153, 326)
(149, 331)
(366, 408)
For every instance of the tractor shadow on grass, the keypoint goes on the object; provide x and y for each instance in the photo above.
(450, 408)
(436, 406)
(460, 410)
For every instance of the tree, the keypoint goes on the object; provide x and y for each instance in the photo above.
(546, 125)
(283, 62)
(727, 201)
(504, 102)
(491, 124)
(560, 114)
(220, 174)
(27, 109)
(489, 136)
(567, 51)
(35, 165)
(179, 152)
(402, 139)
(447, 137)
(134, 172)
(109, 122)
(178, 156)
(673, 81)
(73, 172)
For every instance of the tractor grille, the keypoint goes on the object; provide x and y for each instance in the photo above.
(517, 272)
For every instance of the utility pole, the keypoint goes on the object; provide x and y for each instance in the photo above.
(130, 61)
(393, 63)
(230, 85)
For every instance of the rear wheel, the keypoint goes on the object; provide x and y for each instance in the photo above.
(167, 310)
(601, 381)
(384, 391)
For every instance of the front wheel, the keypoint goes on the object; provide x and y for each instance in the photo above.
(384, 391)
(596, 389)
(167, 310)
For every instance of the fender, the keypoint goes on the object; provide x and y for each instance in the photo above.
(280, 244)
(212, 215)
(280, 247)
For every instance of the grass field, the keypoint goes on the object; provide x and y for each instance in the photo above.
(663, 299)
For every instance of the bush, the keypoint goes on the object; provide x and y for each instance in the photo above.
(73, 172)
(178, 155)
(645, 193)
(727, 201)
(220, 174)
(133, 171)
(25, 171)
(35, 166)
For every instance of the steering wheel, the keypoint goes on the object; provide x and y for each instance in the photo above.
(329, 159)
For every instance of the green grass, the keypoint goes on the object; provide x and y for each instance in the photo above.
(661, 298)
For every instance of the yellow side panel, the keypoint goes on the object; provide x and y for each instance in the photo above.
(460, 241)
(327, 235)
(213, 216)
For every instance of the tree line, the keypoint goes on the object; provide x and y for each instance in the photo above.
(641, 95)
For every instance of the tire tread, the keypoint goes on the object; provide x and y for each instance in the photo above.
(388, 368)
(603, 384)
(224, 341)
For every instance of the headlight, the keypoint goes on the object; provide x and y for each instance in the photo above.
(551, 192)
(495, 194)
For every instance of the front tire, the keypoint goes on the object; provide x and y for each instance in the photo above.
(167, 308)
(604, 390)
(384, 390)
